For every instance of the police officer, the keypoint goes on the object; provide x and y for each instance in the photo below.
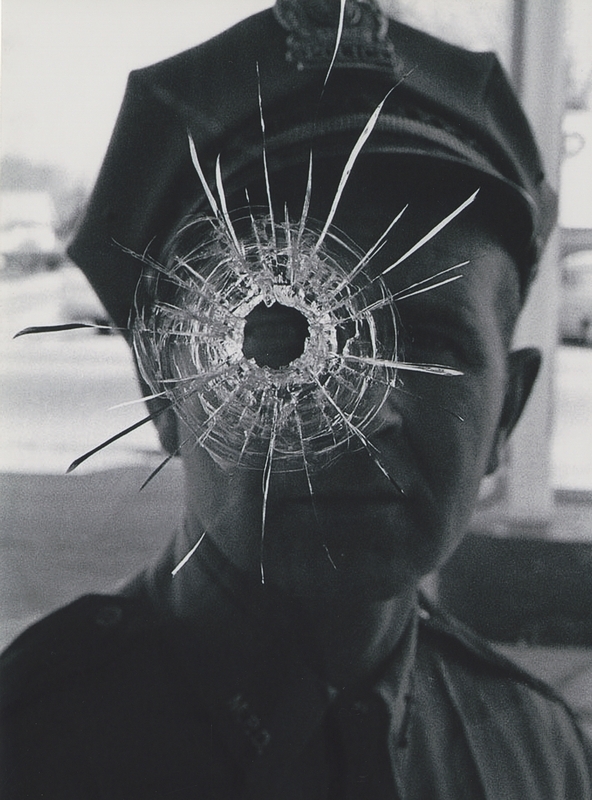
(333, 677)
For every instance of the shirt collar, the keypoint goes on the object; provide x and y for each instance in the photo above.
(264, 695)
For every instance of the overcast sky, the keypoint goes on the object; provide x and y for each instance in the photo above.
(65, 64)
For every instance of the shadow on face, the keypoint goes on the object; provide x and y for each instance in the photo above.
(347, 527)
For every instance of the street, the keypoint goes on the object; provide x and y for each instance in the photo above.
(57, 388)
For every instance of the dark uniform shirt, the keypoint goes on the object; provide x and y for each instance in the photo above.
(120, 696)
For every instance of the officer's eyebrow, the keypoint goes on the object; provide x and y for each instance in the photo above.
(450, 305)
(451, 314)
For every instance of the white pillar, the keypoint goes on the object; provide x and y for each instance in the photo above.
(540, 63)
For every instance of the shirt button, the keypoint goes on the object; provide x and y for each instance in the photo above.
(108, 616)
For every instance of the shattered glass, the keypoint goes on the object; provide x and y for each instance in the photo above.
(189, 338)
(268, 336)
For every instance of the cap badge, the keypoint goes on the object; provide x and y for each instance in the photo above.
(312, 26)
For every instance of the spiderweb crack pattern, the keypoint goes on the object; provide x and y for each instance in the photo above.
(228, 273)
(189, 340)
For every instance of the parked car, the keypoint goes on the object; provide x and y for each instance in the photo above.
(575, 309)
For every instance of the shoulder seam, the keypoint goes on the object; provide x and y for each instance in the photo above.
(443, 624)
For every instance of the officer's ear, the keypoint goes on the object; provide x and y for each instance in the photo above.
(523, 368)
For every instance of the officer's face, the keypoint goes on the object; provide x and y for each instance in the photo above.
(380, 540)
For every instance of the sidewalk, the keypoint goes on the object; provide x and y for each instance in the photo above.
(66, 535)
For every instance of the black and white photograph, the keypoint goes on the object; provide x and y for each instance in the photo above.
(296, 400)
